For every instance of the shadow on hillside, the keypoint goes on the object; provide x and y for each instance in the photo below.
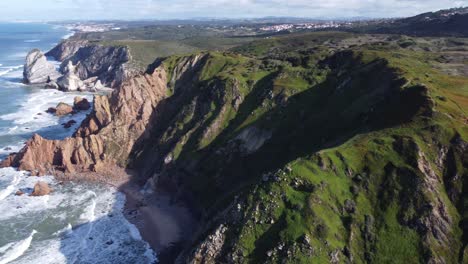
(368, 99)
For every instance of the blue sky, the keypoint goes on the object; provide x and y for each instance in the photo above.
(165, 9)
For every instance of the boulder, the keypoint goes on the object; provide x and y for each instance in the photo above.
(19, 193)
(70, 81)
(69, 124)
(63, 109)
(51, 110)
(37, 69)
(41, 189)
(81, 104)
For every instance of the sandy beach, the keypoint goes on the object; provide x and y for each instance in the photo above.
(162, 222)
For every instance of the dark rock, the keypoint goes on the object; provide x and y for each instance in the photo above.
(69, 124)
(81, 104)
(51, 110)
(350, 206)
(52, 85)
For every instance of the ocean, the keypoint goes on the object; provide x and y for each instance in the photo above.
(77, 222)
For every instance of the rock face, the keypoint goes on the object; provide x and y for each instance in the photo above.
(108, 64)
(41, 189)
(66, 49)
(37, 69)
(63, 109)
(209, 250)
(70, 81)
(106, 136)
(81, 104)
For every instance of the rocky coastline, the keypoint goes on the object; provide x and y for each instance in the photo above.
(84, 66)
(194, 131)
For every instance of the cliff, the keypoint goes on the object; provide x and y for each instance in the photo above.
(95, 62)
(66, 49)
(106, 136)
(291, 153)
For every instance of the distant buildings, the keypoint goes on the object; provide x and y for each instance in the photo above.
(319, 25)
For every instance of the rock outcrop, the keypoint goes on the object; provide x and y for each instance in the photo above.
(107, 63)
(107, 135)
(63, 109)
(37, 69)
(66, 49)
(70, 80)
(81, 104)
(41, 188)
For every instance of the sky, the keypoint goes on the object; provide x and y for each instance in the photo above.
(46, 10)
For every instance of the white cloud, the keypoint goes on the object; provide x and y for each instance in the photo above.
(134, 9)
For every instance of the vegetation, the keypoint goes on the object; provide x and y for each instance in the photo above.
(323, 147)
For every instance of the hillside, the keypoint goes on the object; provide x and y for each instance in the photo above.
(448, 23)
(318, 152)
(320, 147)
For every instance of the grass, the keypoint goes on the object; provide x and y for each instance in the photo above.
(348, 129)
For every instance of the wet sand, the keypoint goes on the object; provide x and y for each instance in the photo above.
(165, 224)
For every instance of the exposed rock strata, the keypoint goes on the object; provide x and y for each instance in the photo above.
(81, 104)
(105, 137)
(107, 63)
(66, 49)
(37, 69)
(70, 80)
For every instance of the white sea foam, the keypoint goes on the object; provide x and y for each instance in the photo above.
(11, 71)
(69, 35)
(31, 116)
(32, 40)
(17, 249)
(10, 188)
(64, 231)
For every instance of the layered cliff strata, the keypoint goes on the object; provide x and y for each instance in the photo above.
(95, 67)
(347, 158)
(107, 64)
(106, 136)
(37, 69)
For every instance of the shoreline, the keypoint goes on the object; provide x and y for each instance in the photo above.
(162, 222)
(165, 224)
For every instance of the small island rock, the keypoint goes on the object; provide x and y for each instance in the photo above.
(41, 189)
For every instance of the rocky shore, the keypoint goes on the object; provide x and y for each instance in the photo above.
(275, 162)
(84, 67)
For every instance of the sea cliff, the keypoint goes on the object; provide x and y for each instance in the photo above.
(291, 153)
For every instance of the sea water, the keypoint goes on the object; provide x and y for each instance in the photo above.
(77, 222)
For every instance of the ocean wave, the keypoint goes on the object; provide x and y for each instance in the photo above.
(32, 40)
(10, 69)
(69, 35)
(64, 231)
(10, 188)
(16, 250)
(31, 117)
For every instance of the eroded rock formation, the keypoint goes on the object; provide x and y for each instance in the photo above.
(70, 81)
(37, 69)
(105, 137)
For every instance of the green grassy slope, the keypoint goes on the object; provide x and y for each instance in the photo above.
(325, 147)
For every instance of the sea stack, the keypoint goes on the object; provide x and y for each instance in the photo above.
(37, 69)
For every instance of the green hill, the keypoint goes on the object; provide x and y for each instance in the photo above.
(318, 148)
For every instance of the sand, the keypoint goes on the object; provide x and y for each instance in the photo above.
(165, 224)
